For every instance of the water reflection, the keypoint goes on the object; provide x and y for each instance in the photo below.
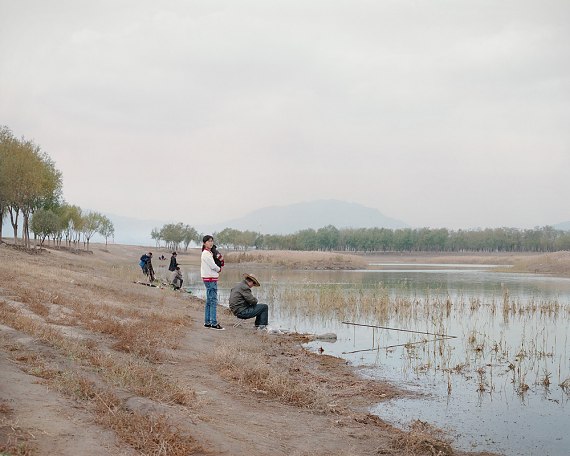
(496, 386)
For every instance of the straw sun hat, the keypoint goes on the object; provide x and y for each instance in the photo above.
(252, 278)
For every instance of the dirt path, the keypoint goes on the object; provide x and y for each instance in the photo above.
(48, 312)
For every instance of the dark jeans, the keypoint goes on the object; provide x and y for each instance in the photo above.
(259, 311)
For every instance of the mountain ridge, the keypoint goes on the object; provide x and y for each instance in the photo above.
(316, 214)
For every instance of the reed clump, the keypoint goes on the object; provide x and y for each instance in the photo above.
(423, 438)
(376, 304)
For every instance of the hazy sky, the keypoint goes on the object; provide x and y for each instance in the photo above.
(438, 113)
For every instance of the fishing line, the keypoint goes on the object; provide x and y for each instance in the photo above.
(398, 345)
(398, 329)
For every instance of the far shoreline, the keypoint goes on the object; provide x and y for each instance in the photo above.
(556, 264)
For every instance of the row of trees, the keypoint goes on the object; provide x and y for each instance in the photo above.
(545, 239)
(28, 181)
(31, 187)
(174, 235)
(69, 223)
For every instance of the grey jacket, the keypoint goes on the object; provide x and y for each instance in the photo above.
(241, 298)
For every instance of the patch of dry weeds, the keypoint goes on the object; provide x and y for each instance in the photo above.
(249, 366)
(14, 440)
(121, 370)
(423, 439)
(149, 434)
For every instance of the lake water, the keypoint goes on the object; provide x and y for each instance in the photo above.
(493, 384)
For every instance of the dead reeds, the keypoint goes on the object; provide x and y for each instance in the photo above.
(423, 439)
(298, 260)
(433, 311)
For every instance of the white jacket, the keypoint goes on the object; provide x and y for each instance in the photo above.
(209, 269)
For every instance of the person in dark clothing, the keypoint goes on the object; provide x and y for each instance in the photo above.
(143, 262)
(244, 305)
(173, 262)
(178, 280)
(146, 266)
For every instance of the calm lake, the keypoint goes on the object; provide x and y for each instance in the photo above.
(484, 355)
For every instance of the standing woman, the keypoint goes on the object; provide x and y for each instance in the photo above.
(210, 273)
(172, 267)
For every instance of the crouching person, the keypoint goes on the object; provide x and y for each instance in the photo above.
(177, 280)
(244, 305)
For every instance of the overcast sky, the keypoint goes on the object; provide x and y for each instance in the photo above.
(438, 113)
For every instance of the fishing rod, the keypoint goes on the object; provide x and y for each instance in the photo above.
(398, 329)
(398, 345)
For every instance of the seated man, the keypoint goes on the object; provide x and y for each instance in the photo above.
(178, 278)
(244, 305)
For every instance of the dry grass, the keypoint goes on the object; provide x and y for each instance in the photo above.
(148, 434)
(555, 263)
(121, 370)
(142, 333)
(13, 439)
(250, 367)
(423, 439)
(299, 260)
(98, 303)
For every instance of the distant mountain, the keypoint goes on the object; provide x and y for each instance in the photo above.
(564, 226)
(314, 214)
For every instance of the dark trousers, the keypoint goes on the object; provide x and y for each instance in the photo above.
(259, 311)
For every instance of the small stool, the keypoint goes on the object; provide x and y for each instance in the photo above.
(237, 321)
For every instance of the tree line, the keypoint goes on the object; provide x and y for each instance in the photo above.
(174, 235)
(31, 193)
(330, 238)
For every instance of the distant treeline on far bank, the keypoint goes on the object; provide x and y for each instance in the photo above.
(330, 238)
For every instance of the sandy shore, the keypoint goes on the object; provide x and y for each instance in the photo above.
(95, 364)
